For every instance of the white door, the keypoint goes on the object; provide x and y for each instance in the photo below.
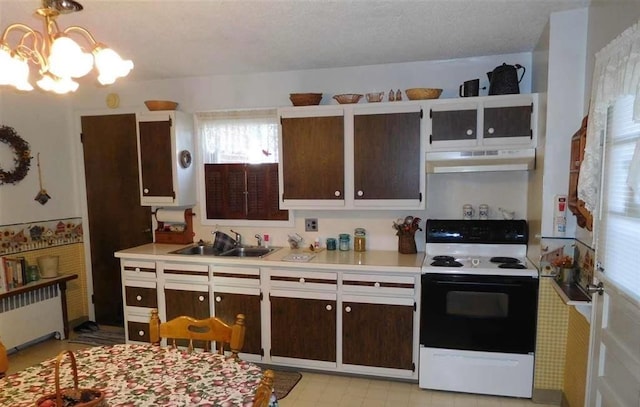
(614, 363)
(614, 374)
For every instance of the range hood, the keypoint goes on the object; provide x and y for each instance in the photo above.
(481, 160)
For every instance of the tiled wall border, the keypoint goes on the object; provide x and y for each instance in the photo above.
(22, 237)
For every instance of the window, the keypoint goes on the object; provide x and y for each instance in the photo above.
(240, 156)
(618, 238)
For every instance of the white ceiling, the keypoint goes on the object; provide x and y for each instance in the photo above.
(173, 39)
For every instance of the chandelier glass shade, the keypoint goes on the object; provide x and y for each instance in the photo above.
(57, 56)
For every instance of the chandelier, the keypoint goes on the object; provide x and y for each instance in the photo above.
(58, 57)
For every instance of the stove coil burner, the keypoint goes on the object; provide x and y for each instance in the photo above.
(512, 266)
(509, 260)
(443, 258)
(445, 261)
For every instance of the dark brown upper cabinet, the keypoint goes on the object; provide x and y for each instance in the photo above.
(165, 154)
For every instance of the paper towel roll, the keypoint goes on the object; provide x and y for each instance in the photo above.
(170, 215)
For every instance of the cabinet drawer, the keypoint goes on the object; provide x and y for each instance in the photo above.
(314, 280)
(138, 331)
(141, 297)
(138, 269)
(186, 272)
(236, 276)
(379, 285)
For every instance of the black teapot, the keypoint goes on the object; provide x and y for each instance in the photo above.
(504, 79)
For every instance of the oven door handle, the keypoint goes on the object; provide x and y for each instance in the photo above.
(477, 283)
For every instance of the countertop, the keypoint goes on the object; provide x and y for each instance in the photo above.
(372, 260)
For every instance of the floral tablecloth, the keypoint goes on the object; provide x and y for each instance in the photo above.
(141, 375)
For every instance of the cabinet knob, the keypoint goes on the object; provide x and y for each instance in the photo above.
(376, 285)
(218, 299)
(337, 193)
(329, 307)
(138, 297)
(491, 130)
(360, 193)
(347, 309)
(469, 132)
(140, 333)
(201, 298)
(576, 163)
(146, 190)
(301, 280)
(137, 269)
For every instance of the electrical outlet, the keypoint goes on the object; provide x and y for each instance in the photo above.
(311, 225)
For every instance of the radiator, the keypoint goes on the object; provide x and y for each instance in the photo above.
(30, 316)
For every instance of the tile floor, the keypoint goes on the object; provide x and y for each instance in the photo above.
(322, 390)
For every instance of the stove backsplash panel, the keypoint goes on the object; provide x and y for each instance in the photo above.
(447, 193)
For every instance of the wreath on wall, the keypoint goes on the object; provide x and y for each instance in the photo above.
(21, 159)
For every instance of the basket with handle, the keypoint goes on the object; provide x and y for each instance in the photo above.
(77, 397)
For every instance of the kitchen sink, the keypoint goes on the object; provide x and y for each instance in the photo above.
(198, 250)
(239, 251)
(248, 251)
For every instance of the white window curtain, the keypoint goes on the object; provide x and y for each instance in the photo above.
(619, 222)
(244, 136)
(616, 73)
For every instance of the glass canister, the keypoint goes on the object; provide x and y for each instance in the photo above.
(343, 241)
(331, 243)
(359, 240)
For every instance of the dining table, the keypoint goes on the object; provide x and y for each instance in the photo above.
(142, 375)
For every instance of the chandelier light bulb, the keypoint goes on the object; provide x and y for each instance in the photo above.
(110, 65)
(57, 85)
(67, 59)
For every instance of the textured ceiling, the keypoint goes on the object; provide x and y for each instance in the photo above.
(172, 39)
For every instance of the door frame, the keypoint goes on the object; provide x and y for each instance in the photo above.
(82, 189)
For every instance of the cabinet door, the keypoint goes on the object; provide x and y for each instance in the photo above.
(387, 156)
(507, 123)
(228, 305)
(191, 303)
(156, 158)
(379, 335)
(303, 328)
(453, 127)
(313, 158)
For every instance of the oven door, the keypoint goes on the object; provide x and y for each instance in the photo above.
(479, 313)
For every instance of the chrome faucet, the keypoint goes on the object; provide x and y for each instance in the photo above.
(238, 237)
(257, 236)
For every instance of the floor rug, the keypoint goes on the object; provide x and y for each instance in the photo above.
(284, 382)
(98, 338)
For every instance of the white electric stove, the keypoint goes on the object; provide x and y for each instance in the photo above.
(478, 308)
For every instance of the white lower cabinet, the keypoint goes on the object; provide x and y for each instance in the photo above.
(140, 295)
(331, 320)
(302, 312)
(236, 290)
(379, 312)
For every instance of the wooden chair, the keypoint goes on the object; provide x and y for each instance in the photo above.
(264, 390)
(207, 330)
(4, 360)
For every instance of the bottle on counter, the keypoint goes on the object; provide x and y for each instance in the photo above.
(344, 241)
(359, 240)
